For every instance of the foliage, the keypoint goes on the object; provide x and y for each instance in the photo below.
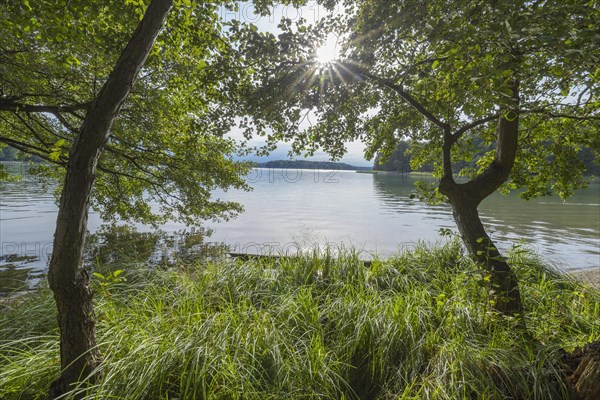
(418, 325)
(400, 159)
(106, 282)
(413, 70)
(168, 141)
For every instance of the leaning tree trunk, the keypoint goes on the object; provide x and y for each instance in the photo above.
(67, 277)
(465, 198)
(505, 292)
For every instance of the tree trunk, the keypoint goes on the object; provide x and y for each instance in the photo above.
(506, 296)
(465, 198)
(69, 281)
(67, 276)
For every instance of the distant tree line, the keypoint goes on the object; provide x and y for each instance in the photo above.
(589, 160)
(400, 159)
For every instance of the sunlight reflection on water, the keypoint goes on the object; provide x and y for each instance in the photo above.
(372, 213)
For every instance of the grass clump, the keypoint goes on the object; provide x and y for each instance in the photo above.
(415, 326)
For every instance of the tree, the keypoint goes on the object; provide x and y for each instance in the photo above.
(521, 76)
(398, 160)
(68, 279)
(69, 95)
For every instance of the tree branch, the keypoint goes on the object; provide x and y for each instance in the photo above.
(398, 89)
(33, 131)
(65, 123)
(13, 106)
(465, 128)
(498, 171)
(561, 115)
(30, 149)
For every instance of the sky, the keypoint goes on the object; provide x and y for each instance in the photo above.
(312, 12)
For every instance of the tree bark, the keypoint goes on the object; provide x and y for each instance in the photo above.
(67, 276)
(505, 292)
(465, 198)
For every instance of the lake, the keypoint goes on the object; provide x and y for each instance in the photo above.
(373, 213)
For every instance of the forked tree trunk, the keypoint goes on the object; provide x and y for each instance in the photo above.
(465, 198)
(68, 279)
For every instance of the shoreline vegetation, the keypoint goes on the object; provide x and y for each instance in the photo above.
(14, 281)
(417, 325)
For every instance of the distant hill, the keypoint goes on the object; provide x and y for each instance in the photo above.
(303, 164)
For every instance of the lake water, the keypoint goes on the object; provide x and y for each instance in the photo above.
(291, 209)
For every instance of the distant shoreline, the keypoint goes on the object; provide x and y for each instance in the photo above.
(304, 164)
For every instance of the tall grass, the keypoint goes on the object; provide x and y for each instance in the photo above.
(416, 326)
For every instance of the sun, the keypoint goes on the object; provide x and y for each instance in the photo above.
(329, 51)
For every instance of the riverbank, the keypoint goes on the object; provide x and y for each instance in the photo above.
(419, 325)
(589, 277)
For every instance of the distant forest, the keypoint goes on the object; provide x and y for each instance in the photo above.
(8, 153)
(399, 160)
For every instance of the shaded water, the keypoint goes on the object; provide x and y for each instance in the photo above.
(289, 209)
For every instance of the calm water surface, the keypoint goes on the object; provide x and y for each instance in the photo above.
(302, 208)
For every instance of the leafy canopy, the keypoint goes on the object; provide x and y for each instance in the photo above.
(168, 144)
(409, 70)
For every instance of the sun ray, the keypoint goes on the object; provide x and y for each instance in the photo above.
(348, 70)
(313, 78)
(308, 74)
(338, 74)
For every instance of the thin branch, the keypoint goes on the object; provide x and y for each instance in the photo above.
(33, 131)
(158, 188)
(560, 115)
(73, 113)
(131, 159)
(65, 123)
(5, 52)
(31, 150)
(398, 89)
(474, 124)
(50, 131)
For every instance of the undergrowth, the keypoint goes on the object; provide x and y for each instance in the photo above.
(415, 326)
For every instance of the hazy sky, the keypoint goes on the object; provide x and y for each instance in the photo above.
(312, 12)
